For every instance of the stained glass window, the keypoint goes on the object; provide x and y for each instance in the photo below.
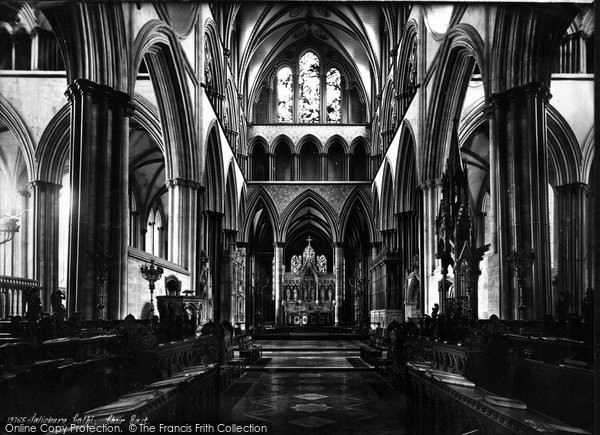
(285, 94)
(334, 95)
(309, 88)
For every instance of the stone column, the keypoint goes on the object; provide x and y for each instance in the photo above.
(347, 157)
(429, 277)
(182, 225)
(295, 166)
(271, 167)
(99, 158)
(45, 237)
(278, 274)
(338, 271)
(228, 284)
(323, 163)
(213, 245)
(520, 138)
(571, 216)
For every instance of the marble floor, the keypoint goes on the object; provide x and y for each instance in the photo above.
(315, 392)
(310, 344)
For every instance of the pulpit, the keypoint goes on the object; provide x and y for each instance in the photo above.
(180, 316)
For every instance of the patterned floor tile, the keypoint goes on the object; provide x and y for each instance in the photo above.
(310, 396)
(310, 407)
(312, 422)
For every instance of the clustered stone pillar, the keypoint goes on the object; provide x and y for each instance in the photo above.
(431, 199)
(522, 191)
(295, 166)
(213, 224)
(323, 161)
(99, 158)
(228, 284)
(45, 236)
(338, 265)
(571, 208)
(278, 274)
(183, 204)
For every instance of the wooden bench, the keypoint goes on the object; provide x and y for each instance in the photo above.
(188, 395)
(248, 350)
(377, 344)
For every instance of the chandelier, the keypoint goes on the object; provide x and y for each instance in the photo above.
(151, 273)
(9, 226)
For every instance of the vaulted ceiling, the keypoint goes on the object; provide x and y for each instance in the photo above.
(267, 31)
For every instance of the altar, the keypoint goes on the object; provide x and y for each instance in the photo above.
(308, 290)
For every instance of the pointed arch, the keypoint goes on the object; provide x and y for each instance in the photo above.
(376, 212)
(157, 43)
(258, 200)
(387, 198)
(279, 139)
(462, 50)
(357, 197)
(52, 152)
(588, 156)
(336, 138)
(214, 179)
(564, 152)
(406, 180)
(309, 197)
(16, 125)
(309, 138)
(230, 206)
(93, 41)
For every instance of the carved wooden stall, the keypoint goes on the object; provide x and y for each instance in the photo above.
(496, 383)
(309, 291)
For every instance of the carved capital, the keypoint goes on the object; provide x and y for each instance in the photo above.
(83, 87)
(573, 188)
(43, 185)
(183, 182)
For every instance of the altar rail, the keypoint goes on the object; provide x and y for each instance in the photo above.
(11, 295)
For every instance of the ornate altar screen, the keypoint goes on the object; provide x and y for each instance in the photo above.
(309, 291)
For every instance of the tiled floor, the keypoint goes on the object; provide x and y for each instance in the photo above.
(309, 344)
(304, 400)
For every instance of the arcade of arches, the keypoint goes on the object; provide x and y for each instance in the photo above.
(299, 164)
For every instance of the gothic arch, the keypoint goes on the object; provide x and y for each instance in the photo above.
(526, 46)
(471, 121)
(279, 139)
(214, 179)
(359, 141)
(376, 212)
(462, 49)
(357, 196)
(258, 140)
(309, 197)
(563, 149)
(409, 36)
(336, 138)
(308, 138)
(146, 115)
(406, 179)
(588, 156)
(92, 37)
(158, 45)
(260, 199)
(387, 198)
(10, 117)
(230, 206)
(52, 152)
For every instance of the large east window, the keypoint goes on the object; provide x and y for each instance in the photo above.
(309, 92)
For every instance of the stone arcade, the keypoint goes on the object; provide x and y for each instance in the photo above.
(325, 216)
